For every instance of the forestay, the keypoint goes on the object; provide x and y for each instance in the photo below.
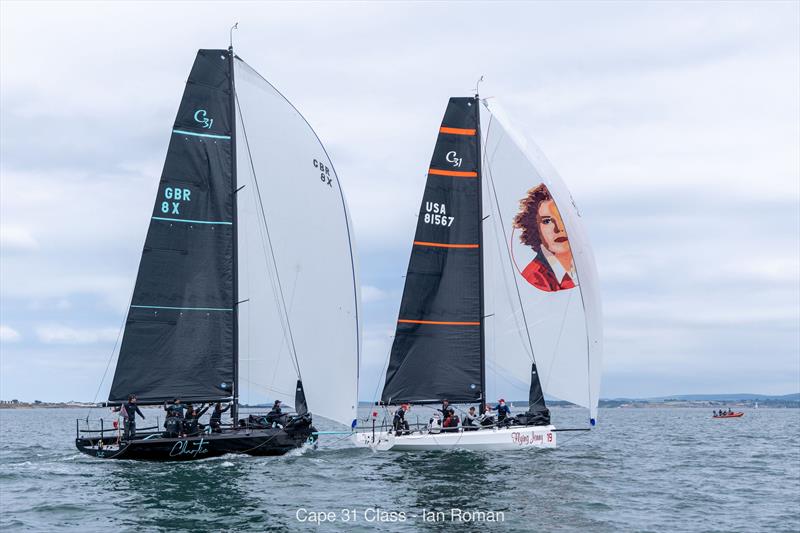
(300, 303)
(543, 282)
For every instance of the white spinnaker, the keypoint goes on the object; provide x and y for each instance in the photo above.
(565, 326)
(300, 280)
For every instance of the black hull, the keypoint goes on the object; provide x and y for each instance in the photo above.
(154, 447)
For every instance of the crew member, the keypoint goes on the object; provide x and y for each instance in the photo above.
(445, 408)
(451, 421)
(216, 417)
(275, 415)
(487, 419)
(175, 409)
(174, 421)
(503, 412)
(129, 411)
(470, 422)
(191, 422)
(399, 422)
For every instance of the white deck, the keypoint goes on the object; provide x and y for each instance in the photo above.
(511, 438)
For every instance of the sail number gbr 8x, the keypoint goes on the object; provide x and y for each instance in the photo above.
(174, 196)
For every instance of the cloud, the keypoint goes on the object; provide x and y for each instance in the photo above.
(675, 126)
(370, 294)
(16, 238)
(8, 334)
(59, 334)
(60, 304)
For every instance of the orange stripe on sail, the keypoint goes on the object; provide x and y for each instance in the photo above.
(456, 173)
(438, 323)
(442, 245)
(456, 131)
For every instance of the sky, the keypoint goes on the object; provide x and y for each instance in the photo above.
(676, 126)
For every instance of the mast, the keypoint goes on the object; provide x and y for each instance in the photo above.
(479, 170)
(234, 187)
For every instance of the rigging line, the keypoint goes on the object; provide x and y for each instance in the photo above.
(560, 334)
(282, 341)
(266, 227)
(268, 388)
(111, 355)
(505, 237)
(577, 435)
(385, 366)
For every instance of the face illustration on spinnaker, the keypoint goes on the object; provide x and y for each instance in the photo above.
(542, 230)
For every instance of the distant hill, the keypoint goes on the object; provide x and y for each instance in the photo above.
(727, 397)
(738, 397)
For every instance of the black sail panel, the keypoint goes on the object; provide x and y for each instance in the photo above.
(536, 403)
(436, 352)
(179, 335)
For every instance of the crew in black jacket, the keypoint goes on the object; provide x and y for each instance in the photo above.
(399, 422)
(129, 411)
(216, 417)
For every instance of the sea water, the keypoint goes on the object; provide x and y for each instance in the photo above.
(638, 470)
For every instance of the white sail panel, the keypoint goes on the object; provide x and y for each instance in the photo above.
(540, 270)
(297, 273)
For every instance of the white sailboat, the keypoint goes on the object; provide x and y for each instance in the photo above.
(500, 260)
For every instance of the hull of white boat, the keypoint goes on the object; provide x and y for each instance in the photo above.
(511, 438)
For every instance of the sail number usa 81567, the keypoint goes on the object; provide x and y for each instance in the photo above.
(436, 214)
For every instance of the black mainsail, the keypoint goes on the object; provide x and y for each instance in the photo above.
(180, 331)
(437, 351)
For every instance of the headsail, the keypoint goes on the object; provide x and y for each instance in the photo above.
(178, 337)
(437, 346)
(546, 293)
(298, 281)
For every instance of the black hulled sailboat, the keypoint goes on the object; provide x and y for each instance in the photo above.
(231, 289)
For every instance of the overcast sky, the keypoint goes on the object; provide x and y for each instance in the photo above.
(675, 125)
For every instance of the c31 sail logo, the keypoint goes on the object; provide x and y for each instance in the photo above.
(174, 196)
(452, 157)
(324, 173)
(201, 117)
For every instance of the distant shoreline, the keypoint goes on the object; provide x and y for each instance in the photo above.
(767, 403)
(47, 405)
